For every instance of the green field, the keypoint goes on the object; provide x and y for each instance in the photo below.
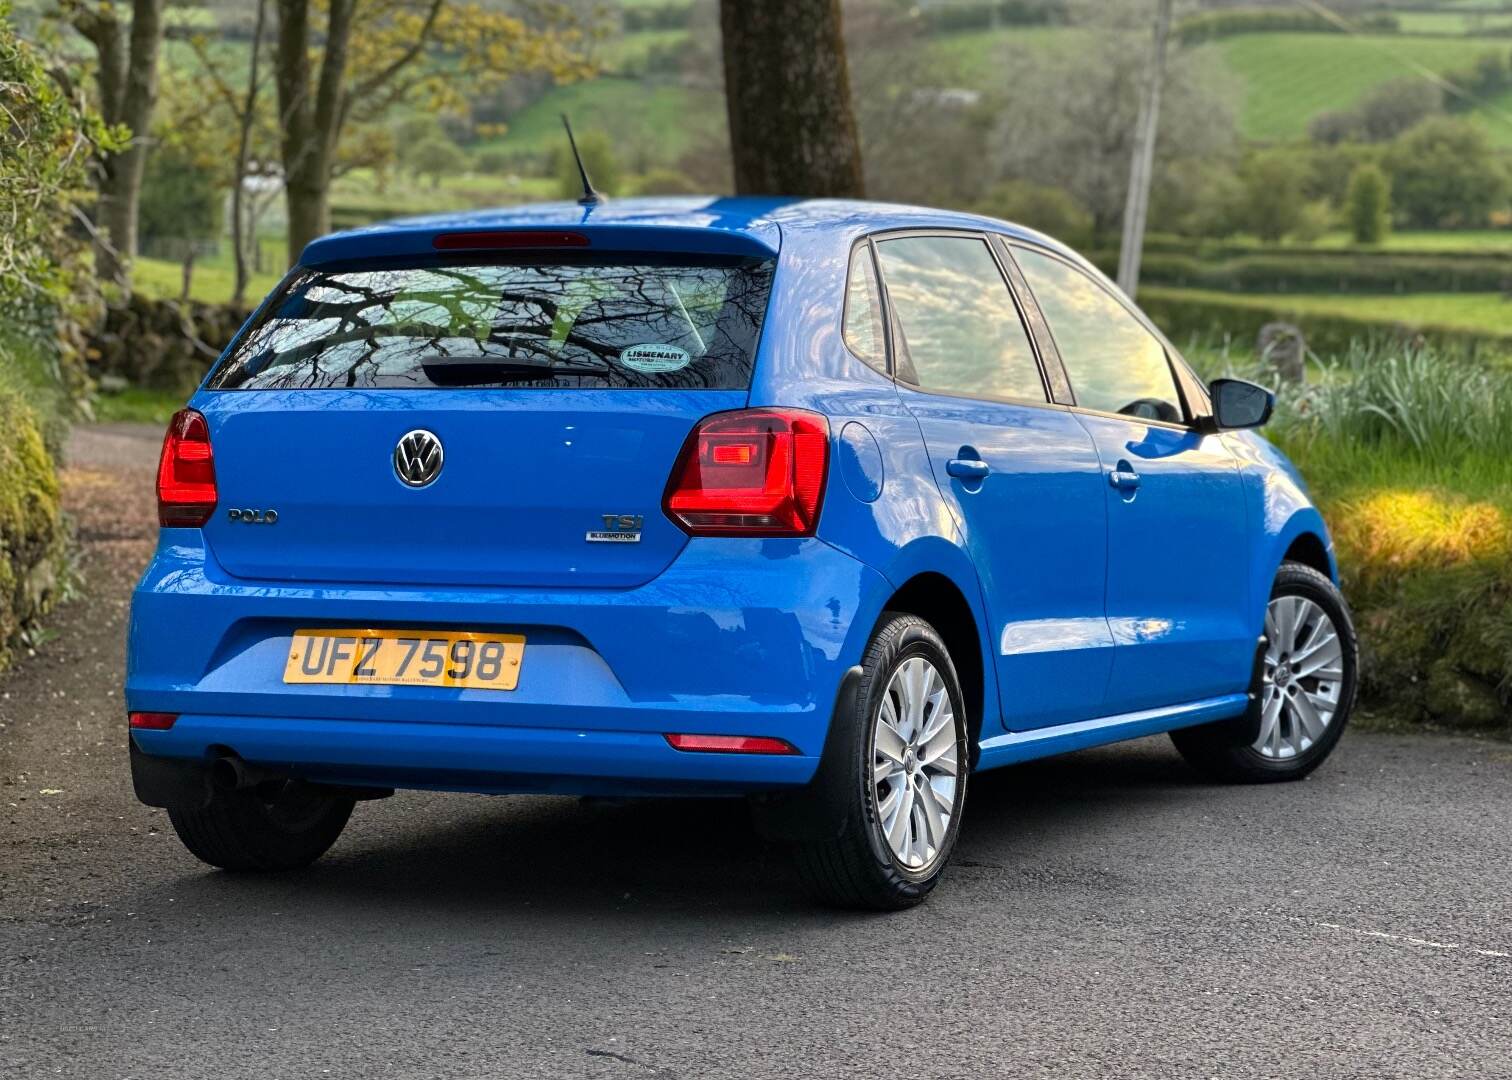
(631, 50)
(1290, 78)
(1453, 22)
(212, 281)
(974, 58)
(1443, 241)
(137, 406)
(665, 121)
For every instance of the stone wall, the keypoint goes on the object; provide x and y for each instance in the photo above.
(162, 344)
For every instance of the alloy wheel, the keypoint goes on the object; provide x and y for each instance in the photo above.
(1304, 677)
(915, 764)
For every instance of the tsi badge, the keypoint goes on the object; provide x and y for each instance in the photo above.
(618, 529)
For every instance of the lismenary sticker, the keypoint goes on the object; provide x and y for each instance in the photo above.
(650, 359)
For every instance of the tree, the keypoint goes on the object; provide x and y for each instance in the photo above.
(126, 75)
(919, 142)
(787, 91)
(1445, 174)
(341, 62)
(181, 199)
(246, 120)
(1050, 210)
(1071, 125)
(1273, 198)
(598, 159)
(436, 157)
(49, 135)
(1369, 204)
(1397, 106)
(250, 125)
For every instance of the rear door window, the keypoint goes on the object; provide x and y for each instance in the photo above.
(959, 325)
(677, 324)
(1114, 363)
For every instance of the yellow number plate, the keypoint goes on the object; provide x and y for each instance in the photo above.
(406, 658)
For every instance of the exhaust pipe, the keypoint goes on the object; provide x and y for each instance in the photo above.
(230, 773)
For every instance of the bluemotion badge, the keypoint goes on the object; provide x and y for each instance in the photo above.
(651, 359)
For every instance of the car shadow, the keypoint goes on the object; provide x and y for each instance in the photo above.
(662, 857)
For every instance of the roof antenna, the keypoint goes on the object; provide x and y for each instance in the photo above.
(590, 196)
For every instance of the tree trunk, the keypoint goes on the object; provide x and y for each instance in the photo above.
(243, 153)
(127, 79)
(787, 88)
(312, 116)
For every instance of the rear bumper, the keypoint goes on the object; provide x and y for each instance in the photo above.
(738, 637)
(464, 757)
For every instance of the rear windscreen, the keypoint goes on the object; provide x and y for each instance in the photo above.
(638, 323)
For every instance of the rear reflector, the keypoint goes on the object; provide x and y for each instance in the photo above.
(732, 744)
(754, 472)
(186, 473)
(153, 721)
(495, 241)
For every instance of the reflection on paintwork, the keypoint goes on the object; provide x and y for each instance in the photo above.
(768, 634)
(1127, 631)
(859, 461)
(1053, 635)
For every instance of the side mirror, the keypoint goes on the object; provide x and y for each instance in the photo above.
(1240, 404)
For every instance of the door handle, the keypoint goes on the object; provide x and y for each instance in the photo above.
(968, 468)
(1123, 478)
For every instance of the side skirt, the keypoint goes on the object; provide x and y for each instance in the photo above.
(1019, 746)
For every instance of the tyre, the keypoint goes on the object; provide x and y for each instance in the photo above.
(899, 775)
(258, 829)
(1306, 689)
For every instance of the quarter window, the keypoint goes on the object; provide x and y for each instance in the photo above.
(1115, 364)
(863, 311)
(959, 324)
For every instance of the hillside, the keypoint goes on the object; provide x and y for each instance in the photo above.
(1284, 79)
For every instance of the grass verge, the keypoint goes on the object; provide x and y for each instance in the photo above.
(1407, 453)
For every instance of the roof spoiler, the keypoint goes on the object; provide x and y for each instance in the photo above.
(425, 240)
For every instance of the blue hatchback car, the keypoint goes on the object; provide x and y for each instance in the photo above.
(826, 504)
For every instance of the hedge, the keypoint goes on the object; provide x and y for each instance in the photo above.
(669, 15)
(1212, 25)
(1320, 271)
(1186, 317)
(32, 537)
(986, 14)
(1429, 575)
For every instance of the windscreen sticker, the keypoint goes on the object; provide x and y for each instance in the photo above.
(650, 359)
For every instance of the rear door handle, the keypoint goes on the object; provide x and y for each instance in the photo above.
(968, 468)
(1123, 478)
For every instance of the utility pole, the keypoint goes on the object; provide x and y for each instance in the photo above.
(1137, 208)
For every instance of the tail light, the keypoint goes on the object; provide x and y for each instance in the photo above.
(186, 473)
(756, 472)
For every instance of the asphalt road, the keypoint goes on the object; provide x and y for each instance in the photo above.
(1107, 914)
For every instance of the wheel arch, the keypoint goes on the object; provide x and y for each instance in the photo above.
(939, 600)
(1310, 549)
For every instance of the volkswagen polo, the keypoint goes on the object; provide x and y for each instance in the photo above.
(829, 505)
